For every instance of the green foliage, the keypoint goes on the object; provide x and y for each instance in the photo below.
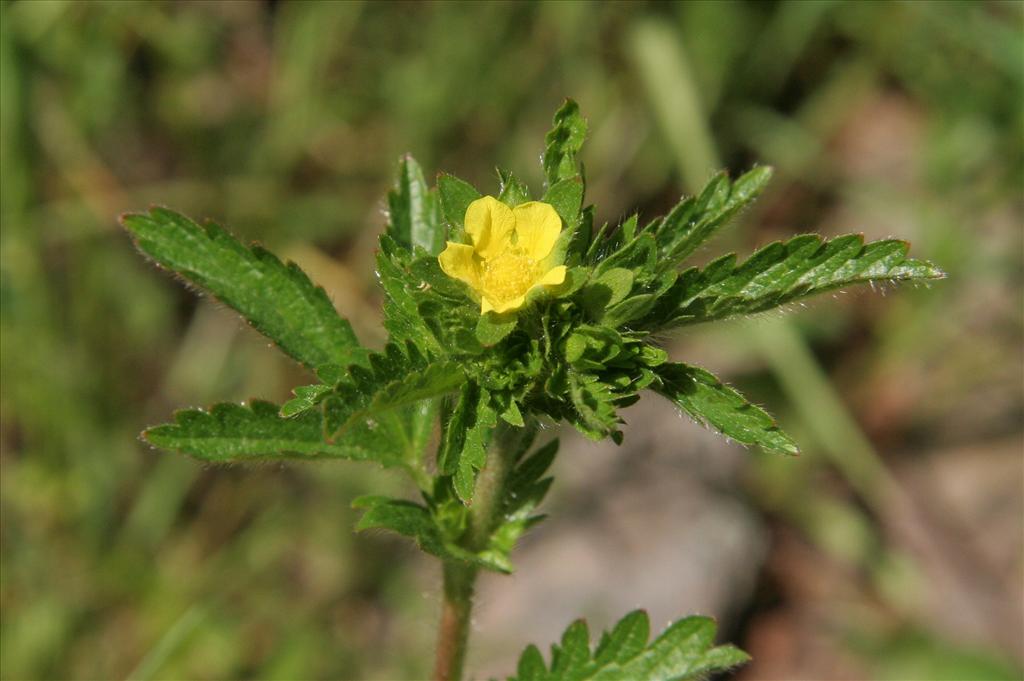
(684, 651)
(107, 106)
(782, 272)
(511, 190)
(412, 520)
(577, 352)
(233, 433)
(465, 435)
(278, 300)
(694, 220)
(395, 378)
(414, 211)
(456, 195)
(706, 399)
(563, 142)
(439, 525)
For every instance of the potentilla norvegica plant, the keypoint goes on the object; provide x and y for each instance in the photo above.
(505, 312)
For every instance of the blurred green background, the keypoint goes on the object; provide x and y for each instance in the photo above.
(891, 550)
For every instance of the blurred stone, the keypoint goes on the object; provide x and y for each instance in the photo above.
(961, 515)
(654, 524)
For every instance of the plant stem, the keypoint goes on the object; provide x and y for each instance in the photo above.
(460, 577)
(453, 633)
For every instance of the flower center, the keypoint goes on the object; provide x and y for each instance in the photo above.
(507, 276)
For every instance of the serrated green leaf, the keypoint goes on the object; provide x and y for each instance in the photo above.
(423, 305)
(640, 255)
(707, 400)
(411, 520)
(456, 195)
(693, 221)
(464, 439)
(277, 299)
(574, 652)
(563, 142)
(414, 212)
(782, 272)
(594, 403)
(531, 665)
(404, 517)
(232, 433)
(625, 641)
(512, 191)
(395, 379)
(526, 474)
(684, 652)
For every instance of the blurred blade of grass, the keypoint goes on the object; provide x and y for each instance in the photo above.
(307, 39)
(672, 92)
(821, 409)
(84, 171)
(795, 144)
(175, 637)
(782, 40)
(716, 35)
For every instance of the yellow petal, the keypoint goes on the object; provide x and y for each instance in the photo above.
(502, 306)
(554, 276)
(457, 261)
(537, 228)
(489, 223)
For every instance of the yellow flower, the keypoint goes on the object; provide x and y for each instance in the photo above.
(512, 252)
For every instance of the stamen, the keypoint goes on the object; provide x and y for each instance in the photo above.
(508, 276)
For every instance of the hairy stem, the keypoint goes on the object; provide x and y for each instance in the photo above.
(459, 577)
(453, 632)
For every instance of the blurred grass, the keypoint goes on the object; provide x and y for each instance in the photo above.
(283, 120)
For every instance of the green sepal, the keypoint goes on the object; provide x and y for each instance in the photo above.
(605, 290)
(511, 191)
(492, 328)
(575, 278)
(456, 195)
(566, 197)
